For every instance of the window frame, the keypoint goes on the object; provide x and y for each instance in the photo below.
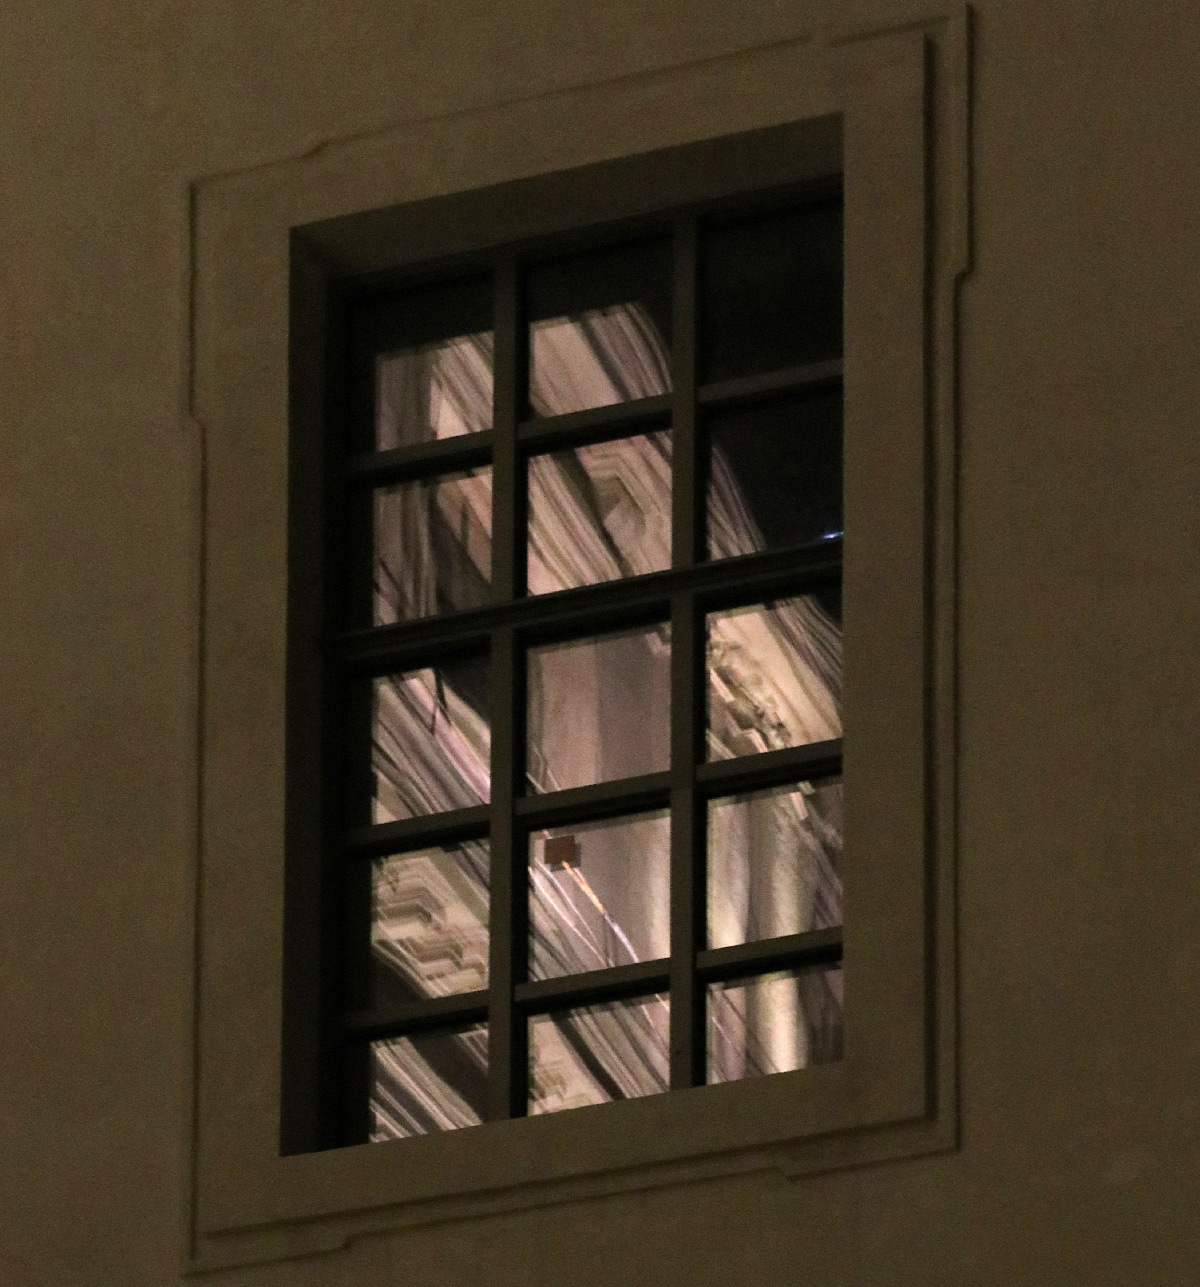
(506, 629)
(270, 243)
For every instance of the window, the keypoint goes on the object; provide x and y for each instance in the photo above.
(584, 678)
(294, 662)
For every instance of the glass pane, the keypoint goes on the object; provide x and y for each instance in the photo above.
(600, 513)
(436, 1081)
(774, 1023)
(774, 675)
(431, 740)
(774, 860)
(775, 476)
(599, 709)
(599, 895)
(772, 292)
(599, 1053)
(600, 329)
(433, 391)
(433, 546)
(429, 923)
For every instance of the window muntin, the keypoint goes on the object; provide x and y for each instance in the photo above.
(606, 468)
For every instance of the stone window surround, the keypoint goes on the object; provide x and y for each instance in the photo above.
(890, 110)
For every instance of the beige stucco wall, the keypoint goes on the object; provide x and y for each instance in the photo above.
(1080, 467)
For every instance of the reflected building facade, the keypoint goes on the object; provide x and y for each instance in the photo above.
(598, 710)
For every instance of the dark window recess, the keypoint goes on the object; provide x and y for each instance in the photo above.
(582, 702)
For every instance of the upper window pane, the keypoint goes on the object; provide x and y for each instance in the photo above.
(600, 328)
(423, 364)
(439, 390)
(600, 512)
(433, 546)
(599, 709)
(775, 475)
(771, 292)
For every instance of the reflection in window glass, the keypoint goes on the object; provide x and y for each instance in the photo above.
(433, 546)
(432, 1082)
(775, 477)
(599, 895)
(600, 513)
(431, 741)
(433, 391)
(774, 861)
(774, 1023)
(600, 327)
(429, 924)
(599, 708)
(596, 358)
(599, 1053)
(774, 676)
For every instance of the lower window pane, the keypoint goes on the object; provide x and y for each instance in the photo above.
(429, 924)
(599, 895)
(430, 741)
(774, 861)
(436, 1081)
(774, 1023)
(599, 1053)
(599, 708)
(774, 675)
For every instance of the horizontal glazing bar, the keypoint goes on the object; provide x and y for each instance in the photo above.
(794, 379)
(596, 424)
(600, 800)
(805, 763)
(593, 987)
(741, 580)
(795, 951)
(441, 455)
(441, 1012)
(410, 833)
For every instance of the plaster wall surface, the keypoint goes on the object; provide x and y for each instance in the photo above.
(1079, 894)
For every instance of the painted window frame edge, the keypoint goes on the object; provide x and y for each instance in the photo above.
(895, 1093)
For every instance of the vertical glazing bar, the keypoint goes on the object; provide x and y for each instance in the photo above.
(687, 837)
(687, 471)
(508, 479)
(507, 1073)
(687, 885)
(506, 1045)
